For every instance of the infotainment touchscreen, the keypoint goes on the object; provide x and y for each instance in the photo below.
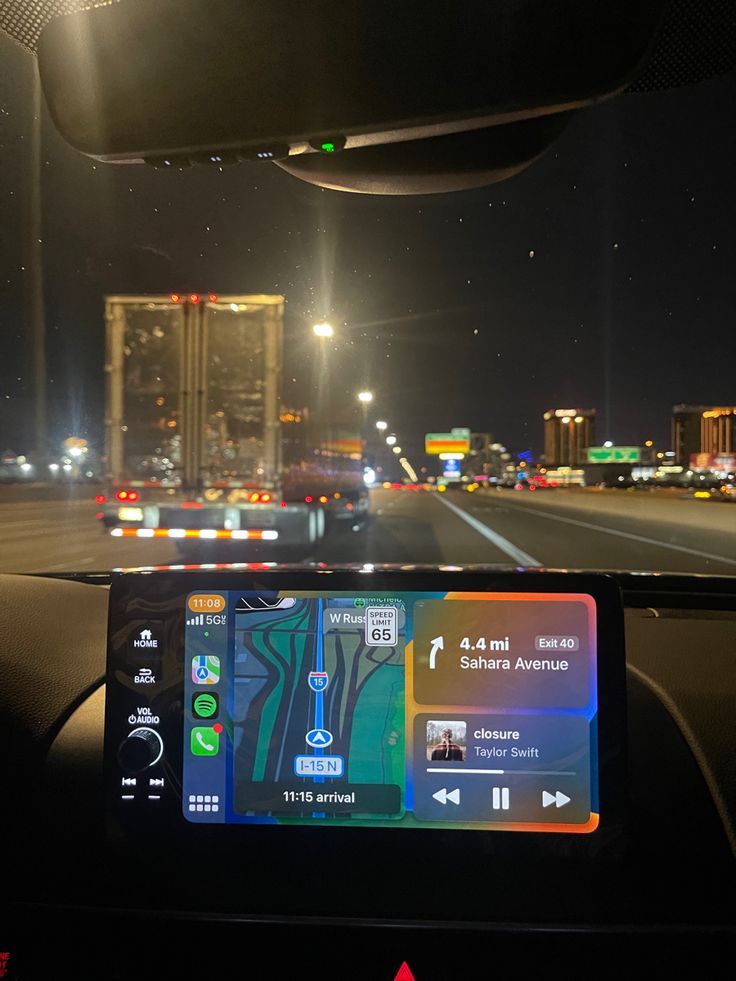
(380, 707)
(391, 708)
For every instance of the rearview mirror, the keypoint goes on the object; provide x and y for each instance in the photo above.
(217, 81)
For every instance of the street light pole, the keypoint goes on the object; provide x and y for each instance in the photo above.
(365, 398)
(33, 250)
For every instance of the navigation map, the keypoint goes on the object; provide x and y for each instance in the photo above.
(318, 706)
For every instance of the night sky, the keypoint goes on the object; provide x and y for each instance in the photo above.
(603, 276)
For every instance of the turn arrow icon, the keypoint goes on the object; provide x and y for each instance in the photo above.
(438, 644)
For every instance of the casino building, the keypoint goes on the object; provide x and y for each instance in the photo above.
(705, 429)
(567, 435)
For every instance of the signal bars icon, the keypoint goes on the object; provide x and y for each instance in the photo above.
(197, 621)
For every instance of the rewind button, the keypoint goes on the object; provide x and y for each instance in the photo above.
(444, 795)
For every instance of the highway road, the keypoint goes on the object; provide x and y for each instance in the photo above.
(557, 529)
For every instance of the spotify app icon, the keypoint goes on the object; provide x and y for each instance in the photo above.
(205, 705)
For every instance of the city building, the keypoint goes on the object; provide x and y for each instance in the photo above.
(698, 429)
(567, 435)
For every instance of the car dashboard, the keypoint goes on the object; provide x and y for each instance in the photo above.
(158, 896)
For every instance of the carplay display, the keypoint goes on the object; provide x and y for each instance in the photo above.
(471, 710)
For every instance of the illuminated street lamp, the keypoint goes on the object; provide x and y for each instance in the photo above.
(397, 450)
(323, 330)
(390, 440)
(365, 397)
(381, 426)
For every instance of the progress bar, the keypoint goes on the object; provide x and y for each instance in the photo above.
(536, 773)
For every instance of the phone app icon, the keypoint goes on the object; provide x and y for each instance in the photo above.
(205, 669)
(205, 705)
(205, 740)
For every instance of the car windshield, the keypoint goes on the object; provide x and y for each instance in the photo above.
(226, 364)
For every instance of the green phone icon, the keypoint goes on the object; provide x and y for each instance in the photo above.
(205, 740)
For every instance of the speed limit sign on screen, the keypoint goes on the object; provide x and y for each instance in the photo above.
(381, 626)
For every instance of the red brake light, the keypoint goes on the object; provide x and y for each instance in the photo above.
(122, 495)
(284, 504)
(99, 515)
(308, 499)
(265, 498)
(100, 499)
(213, 297)
(194, 297)
(323, 499)
(254, 497)
(133, 495)
(175, 297)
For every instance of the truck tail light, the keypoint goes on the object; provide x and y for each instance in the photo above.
(100, 499)
(133, 495)
(260, 497)
(122, 495)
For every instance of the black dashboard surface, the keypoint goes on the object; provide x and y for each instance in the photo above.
(675, 877)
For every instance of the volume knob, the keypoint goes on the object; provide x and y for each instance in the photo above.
(141, 748)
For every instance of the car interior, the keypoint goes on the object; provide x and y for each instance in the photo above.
(622, 861)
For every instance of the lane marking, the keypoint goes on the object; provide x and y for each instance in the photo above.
(45, 506)
(517, 554)
(68, 566)
(622, 534)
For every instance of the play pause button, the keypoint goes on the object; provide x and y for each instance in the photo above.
(557, 798)
(500, 798)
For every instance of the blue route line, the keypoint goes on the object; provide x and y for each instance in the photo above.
(319, 713)
(319, 703)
